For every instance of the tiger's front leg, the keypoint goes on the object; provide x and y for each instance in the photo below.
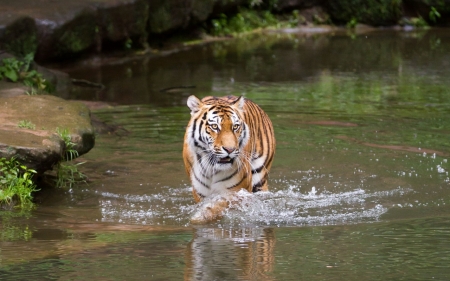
(210, 210)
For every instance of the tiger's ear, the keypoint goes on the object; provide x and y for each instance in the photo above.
(194, 104)
(239, 102)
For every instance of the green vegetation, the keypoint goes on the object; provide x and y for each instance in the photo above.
(434, 14)
(418, 22)
(373, 12)
(248, 20)
(15, 70)
(16, 183)
(26, 124)
(68, 174)
(352, 23)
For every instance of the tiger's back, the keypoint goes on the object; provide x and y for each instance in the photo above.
(229, 145)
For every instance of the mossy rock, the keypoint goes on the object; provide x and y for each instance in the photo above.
(168, 15)
(20, 37)
(372, 12)
(40, 147)
(124, 20)
(78, 33)
(201, 10)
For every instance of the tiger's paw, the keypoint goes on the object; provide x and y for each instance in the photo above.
(209, 211)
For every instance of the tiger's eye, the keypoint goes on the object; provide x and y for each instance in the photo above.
(235, 127)
(214, 126)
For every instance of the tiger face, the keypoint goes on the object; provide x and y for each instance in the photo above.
(218, 133)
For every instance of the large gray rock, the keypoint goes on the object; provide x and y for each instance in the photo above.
(41, 148)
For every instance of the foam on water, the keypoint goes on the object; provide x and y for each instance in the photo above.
(289, 207)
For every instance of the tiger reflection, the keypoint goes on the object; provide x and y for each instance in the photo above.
(230, 254)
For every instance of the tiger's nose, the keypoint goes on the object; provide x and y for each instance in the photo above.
(229, 150)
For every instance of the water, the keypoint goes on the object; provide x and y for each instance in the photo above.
(359, 188)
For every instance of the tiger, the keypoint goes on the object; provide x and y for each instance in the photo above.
(229, 145)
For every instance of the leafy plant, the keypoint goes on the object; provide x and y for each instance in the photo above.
(26, 124)
(128, 44)
(16, 182)
(16, 70)
(352, 23)
(434, 14)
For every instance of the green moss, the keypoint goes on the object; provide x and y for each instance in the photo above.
(77, 36)
(373, 12)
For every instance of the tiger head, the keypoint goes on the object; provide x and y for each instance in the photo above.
(217, 132)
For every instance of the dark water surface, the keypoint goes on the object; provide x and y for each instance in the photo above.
(359, 189)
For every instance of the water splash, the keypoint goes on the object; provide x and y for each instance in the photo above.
(289, 207)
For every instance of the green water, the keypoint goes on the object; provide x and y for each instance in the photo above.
(359, 188)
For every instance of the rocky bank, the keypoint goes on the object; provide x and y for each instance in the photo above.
(61, 29)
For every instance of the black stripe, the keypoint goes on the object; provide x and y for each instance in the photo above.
(200, 127)
(243, 178)
(194, 127)
(204, 116)
(201, 166)
(257, 187)
(229, 177)
(258, 169)
(202, 183)
(243, 134)
(227, 110)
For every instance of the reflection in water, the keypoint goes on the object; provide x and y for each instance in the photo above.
(230, 254)
(359, 189)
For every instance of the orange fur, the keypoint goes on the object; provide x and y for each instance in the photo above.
(227, 125)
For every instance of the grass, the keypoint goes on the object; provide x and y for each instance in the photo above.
(26, 124)
(67, 174)
(16, 180)
(248, 20)
(16, 183)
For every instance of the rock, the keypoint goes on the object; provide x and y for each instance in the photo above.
(372, 12)
(41, 148)
(19, 35)
(167, 15)
(62, 29)
(68, 30)
(119, 21)
(201, 10)
(8, 89)
(297, 4)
